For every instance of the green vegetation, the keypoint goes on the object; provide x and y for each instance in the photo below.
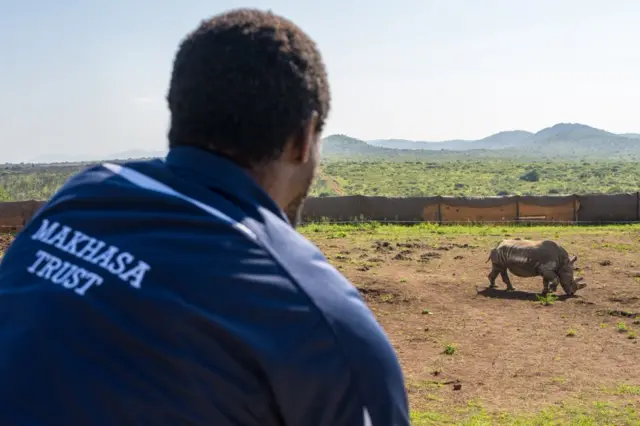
(4, 195)
(391, 232)
(474, 177)
(19, 182)
(449, 350)
(397, 179)
(574, 414)
(547, 299)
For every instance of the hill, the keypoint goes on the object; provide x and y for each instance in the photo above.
(342, 147)
(499, 140)
(565, 141)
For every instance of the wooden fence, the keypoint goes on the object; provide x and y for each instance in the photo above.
(591, 208)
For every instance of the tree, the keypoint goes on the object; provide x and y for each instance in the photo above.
(531, 176)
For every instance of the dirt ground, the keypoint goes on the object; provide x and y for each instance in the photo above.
(511, 352)
(5, 240)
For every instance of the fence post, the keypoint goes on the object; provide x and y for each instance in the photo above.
(517, 208)
(638, 206)
(440, 210)
(575, 208)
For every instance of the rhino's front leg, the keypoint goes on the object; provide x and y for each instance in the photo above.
(507, 281)
(545, 286)
(550, 281)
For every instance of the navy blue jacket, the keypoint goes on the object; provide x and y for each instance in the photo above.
(175, 292)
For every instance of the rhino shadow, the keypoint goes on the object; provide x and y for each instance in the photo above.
(496, 293)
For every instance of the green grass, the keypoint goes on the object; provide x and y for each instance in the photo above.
(377, 230)
(595, 414)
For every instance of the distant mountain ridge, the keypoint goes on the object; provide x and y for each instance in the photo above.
(560, 141)
(509, 138)
(499, 140)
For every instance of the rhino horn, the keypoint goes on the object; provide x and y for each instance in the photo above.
(581, 286)
(577, 280)
(573, 259)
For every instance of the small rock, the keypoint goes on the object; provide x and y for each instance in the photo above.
(457, 386)
(605, 263)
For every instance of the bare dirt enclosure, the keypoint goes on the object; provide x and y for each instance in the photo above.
(476, 356)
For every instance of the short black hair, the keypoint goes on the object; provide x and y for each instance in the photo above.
(243, 82)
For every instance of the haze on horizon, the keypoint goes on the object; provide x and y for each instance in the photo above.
(88, 79)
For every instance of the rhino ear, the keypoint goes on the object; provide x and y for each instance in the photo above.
(573, 259)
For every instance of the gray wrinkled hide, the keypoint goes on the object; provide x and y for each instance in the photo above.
(525, 258)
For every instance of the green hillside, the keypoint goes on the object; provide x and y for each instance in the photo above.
(476, 177)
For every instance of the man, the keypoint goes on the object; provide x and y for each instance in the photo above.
(177, 292)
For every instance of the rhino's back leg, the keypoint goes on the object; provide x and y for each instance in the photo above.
(496, 268)
(495, 271)
(505, 278)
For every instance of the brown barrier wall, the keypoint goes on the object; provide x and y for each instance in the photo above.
(610, 207)
(548, 208)
(592, 208)
(14, 214)
(484, 209)
(596, 208)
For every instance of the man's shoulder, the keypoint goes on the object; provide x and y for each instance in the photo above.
(311, 271)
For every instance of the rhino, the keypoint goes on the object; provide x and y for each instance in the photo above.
(526, 258)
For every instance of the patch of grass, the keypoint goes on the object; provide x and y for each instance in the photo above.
(622, 327)
(620, 247)
(386, 297)
(596, 414)
(547, 299)
(627, 389)
(422, 231)
(571, 332)
(449, 350)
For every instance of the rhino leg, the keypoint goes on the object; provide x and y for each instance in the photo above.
(505, 277)
(493, 275)
(550, 281)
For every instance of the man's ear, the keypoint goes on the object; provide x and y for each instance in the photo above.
(304, 140)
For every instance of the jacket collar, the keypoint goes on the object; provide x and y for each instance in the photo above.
(220, 175)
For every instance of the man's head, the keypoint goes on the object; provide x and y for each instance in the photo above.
(252, 86)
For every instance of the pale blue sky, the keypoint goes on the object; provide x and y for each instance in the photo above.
(89, 77)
